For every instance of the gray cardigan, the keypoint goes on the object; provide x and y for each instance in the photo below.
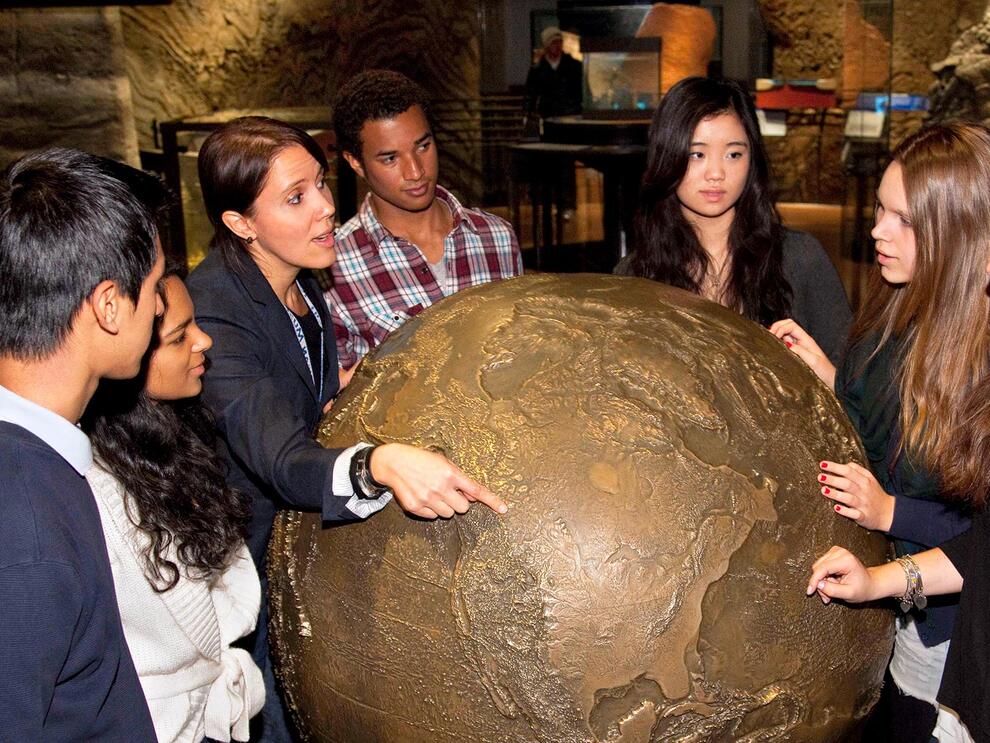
(818, 301)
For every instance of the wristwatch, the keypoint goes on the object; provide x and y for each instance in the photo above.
(365, 486)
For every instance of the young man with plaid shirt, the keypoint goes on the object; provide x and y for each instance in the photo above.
(411, 243)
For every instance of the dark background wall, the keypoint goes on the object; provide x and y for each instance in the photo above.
(195, 56)
(63, 82)
(99, 77)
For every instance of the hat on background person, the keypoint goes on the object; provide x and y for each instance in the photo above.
(549, 34)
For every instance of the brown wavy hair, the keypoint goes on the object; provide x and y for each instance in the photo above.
(175, 482)
(941, 318)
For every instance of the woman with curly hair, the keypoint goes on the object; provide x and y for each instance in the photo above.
(186, 585)
(707, 221)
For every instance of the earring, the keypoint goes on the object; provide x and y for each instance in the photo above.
(249, 240)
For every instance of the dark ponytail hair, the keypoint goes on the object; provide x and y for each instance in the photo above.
(234, 163)
(174, 481)
(666, 246)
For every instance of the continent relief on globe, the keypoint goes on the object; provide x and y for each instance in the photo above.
(659, 455)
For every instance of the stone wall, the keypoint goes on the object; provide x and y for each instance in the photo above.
(98, 78)
(63, 82)
(922, 38)
(194, 57)
(197, 56)
(810, 41)
(962, 89)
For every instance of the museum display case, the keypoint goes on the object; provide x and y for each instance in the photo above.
(621, 76)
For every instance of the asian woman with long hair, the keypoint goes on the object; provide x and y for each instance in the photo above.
(707, 221)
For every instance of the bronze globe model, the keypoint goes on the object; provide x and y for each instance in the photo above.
(659, 456)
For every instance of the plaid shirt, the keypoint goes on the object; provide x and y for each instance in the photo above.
(380, 281)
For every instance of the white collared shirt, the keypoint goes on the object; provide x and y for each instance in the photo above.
(64, 437)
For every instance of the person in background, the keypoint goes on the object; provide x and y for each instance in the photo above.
(411, 243)
(914, 384)
(273, 366)
(707, 221)
(174, 528)
(554, 87)
(80, 262)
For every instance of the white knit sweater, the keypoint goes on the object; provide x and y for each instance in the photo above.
(195, 683)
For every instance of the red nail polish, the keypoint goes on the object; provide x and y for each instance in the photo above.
(838, 508)
(821, 478)
(826, 491)
(788, 344)
(823, 465)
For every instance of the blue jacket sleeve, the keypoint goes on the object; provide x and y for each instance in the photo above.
(927, 522)
(261, 430)
(41, 616)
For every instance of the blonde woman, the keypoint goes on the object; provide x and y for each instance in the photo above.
(917, 351)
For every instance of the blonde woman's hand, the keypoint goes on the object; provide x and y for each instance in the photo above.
(838, 574)
(804, 346)
(857, 495)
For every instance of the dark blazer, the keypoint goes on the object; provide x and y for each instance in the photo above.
(67, 674)
(259, 387)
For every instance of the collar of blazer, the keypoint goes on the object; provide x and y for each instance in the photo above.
(279, 328)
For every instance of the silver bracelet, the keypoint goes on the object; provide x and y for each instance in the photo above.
(914, 594)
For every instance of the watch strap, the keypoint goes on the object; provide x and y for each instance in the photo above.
(364, 484)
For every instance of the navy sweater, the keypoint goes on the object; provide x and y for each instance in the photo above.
(67, 674)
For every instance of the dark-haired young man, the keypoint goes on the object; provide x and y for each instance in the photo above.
(80, 263)
(411, 243)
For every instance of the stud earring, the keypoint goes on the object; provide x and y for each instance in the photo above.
(249, 240)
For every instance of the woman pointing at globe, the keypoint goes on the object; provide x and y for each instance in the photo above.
(274, 365)
(914, 382)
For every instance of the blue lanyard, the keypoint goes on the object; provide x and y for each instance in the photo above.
(301, 336)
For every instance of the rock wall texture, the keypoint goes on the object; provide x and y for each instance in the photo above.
(923, 38)
(196, 56)
(845, 39)
(962, 86)
(63, 82)
(97, 78)
(807, 36)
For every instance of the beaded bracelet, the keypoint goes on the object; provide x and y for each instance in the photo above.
(914, 594)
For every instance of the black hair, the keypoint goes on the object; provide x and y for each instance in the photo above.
(234, 163)
(666, 246)
(174, 480)
(69, 220)
(373, 95)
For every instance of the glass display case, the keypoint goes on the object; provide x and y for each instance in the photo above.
(621, 76)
